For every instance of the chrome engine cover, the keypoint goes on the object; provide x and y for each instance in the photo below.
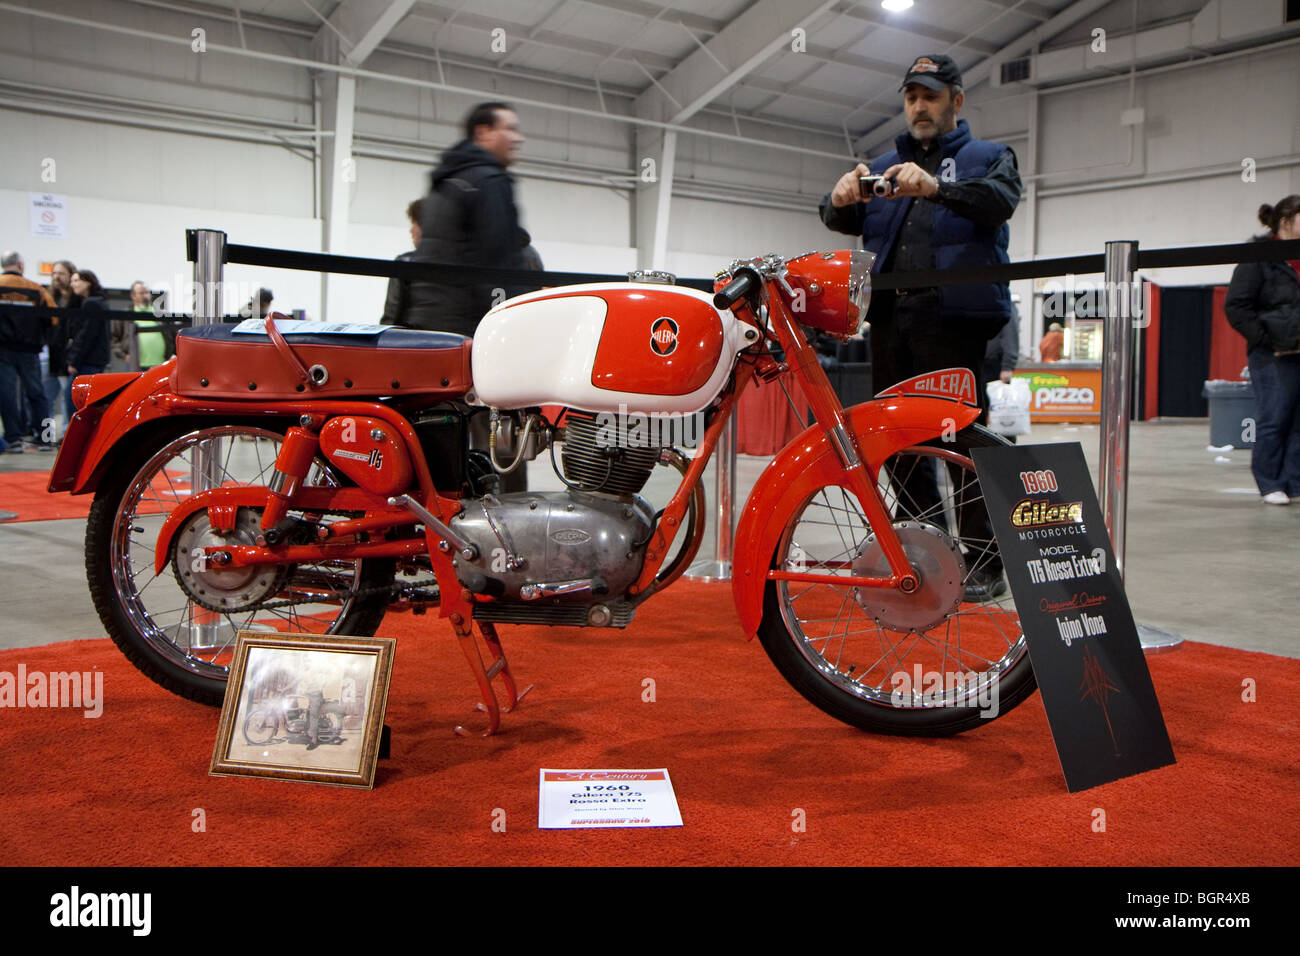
(540, 547)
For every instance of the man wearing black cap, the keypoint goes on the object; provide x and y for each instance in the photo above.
(952, 197)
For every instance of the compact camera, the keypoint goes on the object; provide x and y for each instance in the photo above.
(876, 186)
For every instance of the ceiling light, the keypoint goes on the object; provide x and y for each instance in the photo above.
(895, 5)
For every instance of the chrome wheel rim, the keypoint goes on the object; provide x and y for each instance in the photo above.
(174, 625)
(956, 662)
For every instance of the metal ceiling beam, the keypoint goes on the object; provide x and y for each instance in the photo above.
(517, 33)
(401, 80)
(884, 132)
(365, 24)
(1031, 10)
(743, 45)
(926, 31)
(534, 31)
(809, 93)
(652, 11)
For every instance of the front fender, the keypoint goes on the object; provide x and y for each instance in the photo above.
(881, 428)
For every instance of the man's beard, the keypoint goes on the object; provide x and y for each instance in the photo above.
(943, 123)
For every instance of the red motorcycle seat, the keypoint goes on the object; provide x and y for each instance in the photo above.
(214, 361)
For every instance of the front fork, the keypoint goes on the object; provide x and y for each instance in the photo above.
(829, 412)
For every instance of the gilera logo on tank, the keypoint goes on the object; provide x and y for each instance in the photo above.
(663, 336)
(951, 385)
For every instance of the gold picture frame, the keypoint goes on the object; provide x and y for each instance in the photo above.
(281, 684)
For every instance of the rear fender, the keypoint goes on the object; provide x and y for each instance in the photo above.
(881, 428)
(105, 405)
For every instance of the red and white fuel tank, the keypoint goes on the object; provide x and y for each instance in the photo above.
(648, 347)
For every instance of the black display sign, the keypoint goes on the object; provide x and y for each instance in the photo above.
(1083, 643)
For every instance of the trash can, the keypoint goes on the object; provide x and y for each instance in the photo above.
(1232, 413)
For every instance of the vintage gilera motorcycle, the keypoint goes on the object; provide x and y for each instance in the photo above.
(267, 480)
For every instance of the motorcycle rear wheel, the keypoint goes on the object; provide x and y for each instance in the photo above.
(931, 666)
(170, 638)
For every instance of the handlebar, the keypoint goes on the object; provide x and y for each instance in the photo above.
(745, 282)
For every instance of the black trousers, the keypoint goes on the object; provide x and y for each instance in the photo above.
(909, 338)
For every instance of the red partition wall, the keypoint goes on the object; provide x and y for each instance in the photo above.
(1227, 347)
(1151, 352)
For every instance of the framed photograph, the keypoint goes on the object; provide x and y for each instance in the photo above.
(304, 707)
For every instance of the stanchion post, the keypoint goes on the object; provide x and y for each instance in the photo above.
(1116, 395)
(1116, 386)
(207, 248)
(724, 461)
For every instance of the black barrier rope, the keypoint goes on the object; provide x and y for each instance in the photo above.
(149, 318)
(997, 272)
(1277, 250)
(441, 272)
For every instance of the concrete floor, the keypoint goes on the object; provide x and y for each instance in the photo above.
(1206, 560)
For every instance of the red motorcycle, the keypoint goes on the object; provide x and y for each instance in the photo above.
(313, 480)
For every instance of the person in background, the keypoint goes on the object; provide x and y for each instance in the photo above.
(56, 341)
(1263, 304)
(123, 345)
(151, 339)
(1003, 354)
(21, 339)
(1049, 349)
(470, 219)
(259, 306)
(88, 345)
(398, 301)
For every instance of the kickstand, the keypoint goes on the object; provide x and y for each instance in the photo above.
(483, 676)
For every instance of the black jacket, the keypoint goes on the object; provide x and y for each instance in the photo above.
(397, 303)
(88, 336)
(469, 219)
(57, 337)
(1263, 304)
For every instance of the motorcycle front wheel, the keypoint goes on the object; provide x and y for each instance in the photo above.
(155, 621)
(933, 663)
(260, 726)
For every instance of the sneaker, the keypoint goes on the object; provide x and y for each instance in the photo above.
(984, 585)
(15, 449)
(1276, 498)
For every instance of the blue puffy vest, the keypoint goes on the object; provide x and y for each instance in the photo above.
(955, 240)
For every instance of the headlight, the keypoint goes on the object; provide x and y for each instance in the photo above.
(860, 284)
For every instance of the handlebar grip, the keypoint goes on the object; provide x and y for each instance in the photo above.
(735, 290)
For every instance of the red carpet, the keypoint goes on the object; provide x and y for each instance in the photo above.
(743, 749)
(24, 492)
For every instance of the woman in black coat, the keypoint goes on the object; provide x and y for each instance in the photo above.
(88, 347)
(1263, 304)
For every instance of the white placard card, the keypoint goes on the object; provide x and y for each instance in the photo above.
(585, 799)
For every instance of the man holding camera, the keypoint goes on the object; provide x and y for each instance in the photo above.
(942, 201)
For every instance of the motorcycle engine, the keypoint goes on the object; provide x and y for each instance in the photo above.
(553, 548)
(597, 456)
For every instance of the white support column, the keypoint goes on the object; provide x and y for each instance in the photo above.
(663, 200)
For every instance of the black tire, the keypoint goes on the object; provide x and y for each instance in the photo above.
(156, 632)
(260, 726)
(855, 653)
